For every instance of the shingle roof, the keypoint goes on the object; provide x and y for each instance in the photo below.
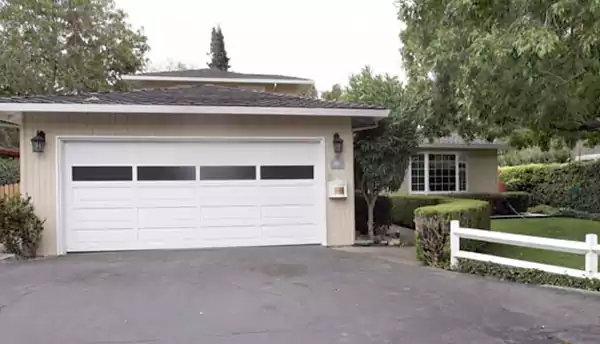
(216, 73)
(197, 95)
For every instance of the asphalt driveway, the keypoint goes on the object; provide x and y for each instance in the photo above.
(276, 295)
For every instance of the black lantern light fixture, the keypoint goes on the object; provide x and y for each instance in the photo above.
(38, 142)
(338, 144)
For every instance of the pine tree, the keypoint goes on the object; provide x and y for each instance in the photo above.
(219, 59)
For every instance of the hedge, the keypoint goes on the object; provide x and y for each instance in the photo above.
(9, 171)
(433, 227)
(404, 206)
(382, 213)
(574, 186)
(505, 203)
(527, 276)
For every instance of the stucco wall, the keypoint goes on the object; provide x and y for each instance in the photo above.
(279, 88)
(482, 170)
(38, 171)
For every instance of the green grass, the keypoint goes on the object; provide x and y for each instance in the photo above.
(555, 227)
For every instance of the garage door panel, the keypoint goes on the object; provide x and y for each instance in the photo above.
(288, 195)
(306, 232)
(288, 215)
(167, 217)
(115, 196)
(230, 232)
(80, 238)
(102, 218)
(167, 195)
(228, 195)
(169, 236)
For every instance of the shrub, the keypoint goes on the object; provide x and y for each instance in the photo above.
(527, 276)
(9, 171)
(533, 155)
(574, 186)
(433, 227)
(543, 209)
(20, 228)
(404, 206)
(505, 203)
(566, 212)
(382, 213)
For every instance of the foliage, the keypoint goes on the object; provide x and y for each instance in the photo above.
(433, 227)
(505, 203)
(9, 171)
(20, 228)
(574, 186)
(543, 209)
(578, 214)
(550, 227)
(310, 92)
(66, 46)
(381, 155)
(382, 214)
(527, 276)
(525, 69)
(9, 137)
(404, 206)
(533, 155)
(218, 54)
(335, 93)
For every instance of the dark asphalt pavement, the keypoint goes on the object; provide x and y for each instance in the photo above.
(304, 295)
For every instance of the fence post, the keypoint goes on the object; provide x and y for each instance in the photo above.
(591, 257)
(454, 243)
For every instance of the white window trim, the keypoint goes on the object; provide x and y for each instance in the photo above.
(426, 158)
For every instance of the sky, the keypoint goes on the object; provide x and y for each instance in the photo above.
(322, 40)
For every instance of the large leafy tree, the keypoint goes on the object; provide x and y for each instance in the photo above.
(50, 46)
(218, 54)
(528, 70)
(335, 93)
(382, 154)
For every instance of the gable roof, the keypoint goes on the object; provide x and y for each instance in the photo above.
(216, 75)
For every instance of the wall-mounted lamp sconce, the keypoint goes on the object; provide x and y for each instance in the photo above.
(38, 142)
(338, 144)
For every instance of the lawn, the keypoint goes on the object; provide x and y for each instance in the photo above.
(555, 227)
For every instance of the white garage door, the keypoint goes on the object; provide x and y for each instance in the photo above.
(150, 195)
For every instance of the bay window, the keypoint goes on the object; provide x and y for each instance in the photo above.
(438, 173)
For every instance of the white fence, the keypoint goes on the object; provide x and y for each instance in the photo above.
(589, 248)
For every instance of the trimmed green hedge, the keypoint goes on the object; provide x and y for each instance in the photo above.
(404, 206)
(505, 203)
(9, 171)
(433, 227)
(574, 186)
(526, 276)
(382, 213)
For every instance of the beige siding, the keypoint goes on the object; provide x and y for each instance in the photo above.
(38, 171)
(279, 88)
(482, 170)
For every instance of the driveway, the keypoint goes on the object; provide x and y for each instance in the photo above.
(276, 295)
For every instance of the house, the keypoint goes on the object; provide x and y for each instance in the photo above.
(9, 153)
(190, 160)
(453, 165)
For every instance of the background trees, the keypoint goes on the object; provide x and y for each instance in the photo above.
(218, 54)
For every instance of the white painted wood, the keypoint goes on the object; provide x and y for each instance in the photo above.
(589, 248)
(134, 215)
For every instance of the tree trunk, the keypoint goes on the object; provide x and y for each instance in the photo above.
(371, 216)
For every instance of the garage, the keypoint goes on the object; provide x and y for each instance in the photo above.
(132, 194)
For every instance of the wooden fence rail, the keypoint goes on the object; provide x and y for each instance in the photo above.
(9, 190)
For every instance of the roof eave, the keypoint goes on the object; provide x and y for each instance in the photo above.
(217, 80)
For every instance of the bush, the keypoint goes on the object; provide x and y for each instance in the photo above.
(577, 214)
(527, 276)
(382, 213)
(9, 171)
(543, 209)
(505, 203)
(574, 186)
(404, 206)
(533, 155)
(20, 228)
(433, 227)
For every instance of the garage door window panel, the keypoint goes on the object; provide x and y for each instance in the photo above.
(227, 172)
(166, 173)
(287, 172)
(102, 173)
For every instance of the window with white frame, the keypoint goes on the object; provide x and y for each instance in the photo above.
(438, 173)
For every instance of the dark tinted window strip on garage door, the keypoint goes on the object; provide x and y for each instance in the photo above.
(166, 173)
(286, 172)
(227, 172)
(101, 173)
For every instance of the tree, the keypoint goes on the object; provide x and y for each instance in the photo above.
(334, 94)
(310, 92)
(382, 154)
(218, 54)
(66, 46)
(528, 70)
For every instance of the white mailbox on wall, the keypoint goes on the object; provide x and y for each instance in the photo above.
(338, 189)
